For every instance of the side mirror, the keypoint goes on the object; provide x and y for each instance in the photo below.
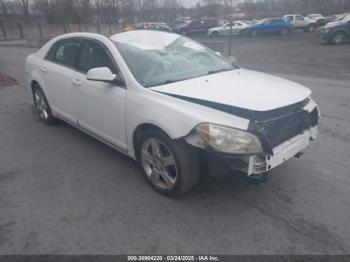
(233, 60)
(218, 53)
(103, 74)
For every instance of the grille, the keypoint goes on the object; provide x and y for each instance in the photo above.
(277, 131)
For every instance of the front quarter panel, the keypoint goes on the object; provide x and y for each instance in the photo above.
(176, 117)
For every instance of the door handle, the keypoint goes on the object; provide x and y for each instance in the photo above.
(76, 82)
(44, 69)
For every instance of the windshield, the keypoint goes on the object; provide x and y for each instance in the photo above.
(157, 62)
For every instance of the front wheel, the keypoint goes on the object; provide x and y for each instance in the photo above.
(214, 34)
(311, 28)
(338, 38)
(171, 168)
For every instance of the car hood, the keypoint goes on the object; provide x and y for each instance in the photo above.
(240, 88)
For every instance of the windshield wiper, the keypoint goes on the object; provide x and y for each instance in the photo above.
(211, 72)
(169, 81)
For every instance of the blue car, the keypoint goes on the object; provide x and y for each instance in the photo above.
(269, 26)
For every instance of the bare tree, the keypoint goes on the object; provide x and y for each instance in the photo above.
(3, 7)
(25, 10)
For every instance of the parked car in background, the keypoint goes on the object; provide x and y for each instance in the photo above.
(157, 27)
(148, 26)
(197, 26)
(320, 19)
(224, 30)
(302, 22)
(180, 22)
(135, 26)
(222, 22)
(337, 32)
(268, 26)
(337, 17)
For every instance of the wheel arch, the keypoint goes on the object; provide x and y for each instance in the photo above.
(137, 134)
(32, 84)
(342, 30)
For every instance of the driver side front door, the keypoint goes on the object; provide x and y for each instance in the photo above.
(100, 105)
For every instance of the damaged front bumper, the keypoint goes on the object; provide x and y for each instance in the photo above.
(283, 135)
(256, 165)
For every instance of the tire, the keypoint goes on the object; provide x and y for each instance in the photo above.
(284, 32)
(179, 174)
(338, 38)
(42, 106)
(214, 34)
(311, 28)
(254, 33)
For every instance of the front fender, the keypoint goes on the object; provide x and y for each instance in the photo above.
(174, 116)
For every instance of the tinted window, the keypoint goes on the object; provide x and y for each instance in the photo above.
(195, 23)
(276, 21)
(94, 55)
(65, 52)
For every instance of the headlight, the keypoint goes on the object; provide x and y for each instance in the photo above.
(229, 140)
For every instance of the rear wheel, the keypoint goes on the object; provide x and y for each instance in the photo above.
(42, 106)
(338, 38)
(171, 168)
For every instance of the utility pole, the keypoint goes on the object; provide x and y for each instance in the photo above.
(231, 19)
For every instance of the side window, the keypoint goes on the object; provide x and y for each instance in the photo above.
(195, 23)
(65, 52)
(93, 55)
(277, 21)
(299, 17)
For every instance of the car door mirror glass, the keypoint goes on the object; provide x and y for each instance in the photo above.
(103, 74)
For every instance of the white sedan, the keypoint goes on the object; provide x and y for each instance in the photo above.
(224, 30)
(171, 104)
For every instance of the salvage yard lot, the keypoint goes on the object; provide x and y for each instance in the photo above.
(62, 192)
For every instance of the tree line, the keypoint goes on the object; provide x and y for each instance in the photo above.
(128, 11)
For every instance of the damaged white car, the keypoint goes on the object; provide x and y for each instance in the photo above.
(171, 104)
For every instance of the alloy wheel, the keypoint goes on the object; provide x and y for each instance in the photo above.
(41, 104)
(338, 38)
(159, 163)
